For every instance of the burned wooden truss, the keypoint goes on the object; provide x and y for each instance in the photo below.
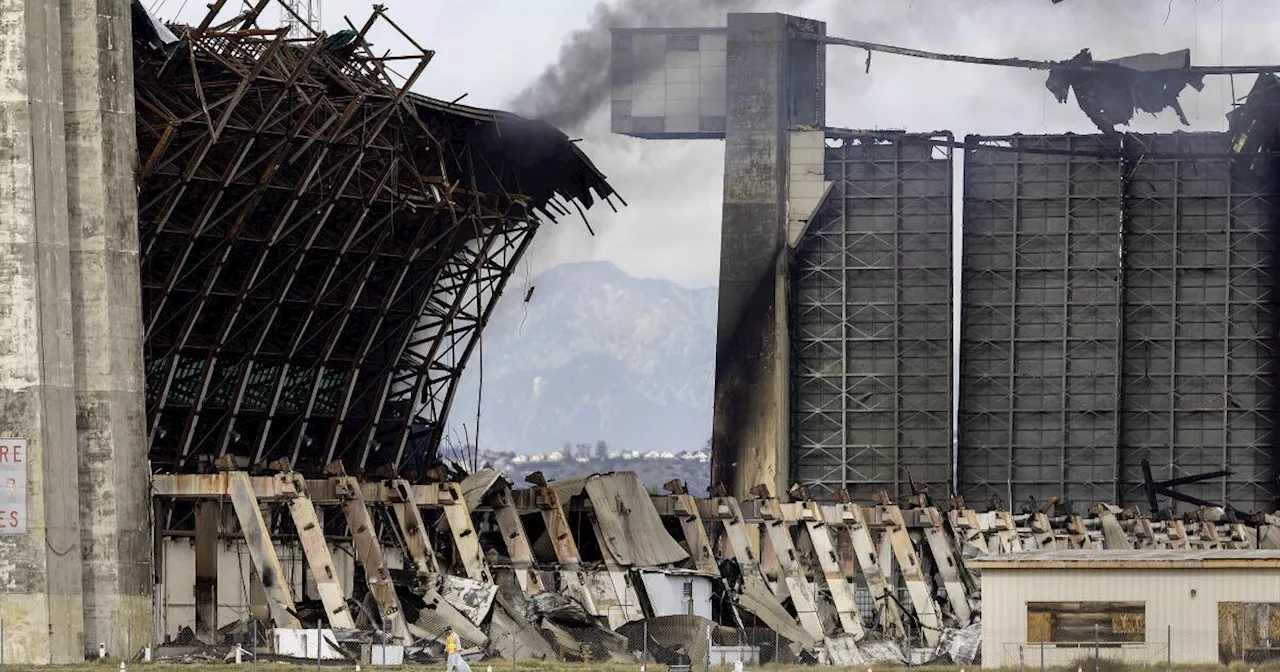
(568, 569)
(320, 246)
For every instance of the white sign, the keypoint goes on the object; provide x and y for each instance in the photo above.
(13, 486)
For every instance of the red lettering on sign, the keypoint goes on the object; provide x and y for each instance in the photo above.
(4, 452)
(16, 453)
(13, 518)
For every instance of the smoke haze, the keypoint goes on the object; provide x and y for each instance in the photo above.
(577, 84)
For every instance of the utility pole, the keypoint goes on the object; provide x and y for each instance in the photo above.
(301, 15)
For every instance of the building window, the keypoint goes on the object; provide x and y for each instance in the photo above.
(1085, 622)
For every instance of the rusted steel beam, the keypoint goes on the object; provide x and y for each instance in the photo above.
(261, 550)
(369, 552)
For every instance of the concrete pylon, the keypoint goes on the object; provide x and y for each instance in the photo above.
(71, 343)
(40, 596)
(106, 302)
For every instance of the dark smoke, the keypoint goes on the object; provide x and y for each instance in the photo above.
(578, 83)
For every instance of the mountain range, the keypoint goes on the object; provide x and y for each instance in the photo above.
(594, 354)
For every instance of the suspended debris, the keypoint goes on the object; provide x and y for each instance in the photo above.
(1110, 92)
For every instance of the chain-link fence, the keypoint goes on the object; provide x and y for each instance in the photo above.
(1166, 648)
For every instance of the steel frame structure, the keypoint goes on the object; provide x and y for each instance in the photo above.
(320, 247)
(1117, 305)
(871, 321)
(1040, 322)
(1201, 319)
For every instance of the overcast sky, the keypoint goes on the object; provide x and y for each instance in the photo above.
(491, 49)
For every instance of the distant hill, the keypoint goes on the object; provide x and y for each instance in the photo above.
(596, 354)
(690, 467)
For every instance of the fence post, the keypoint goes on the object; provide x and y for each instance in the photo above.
(319, 644)
(1097, 650)
(1041, 654)
(1168, 648)
(513, 651)
(777, 653)
(644, 645)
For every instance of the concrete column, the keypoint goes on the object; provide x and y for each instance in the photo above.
(40, 584)
(774, 82)
(208, 517)
(106, 302)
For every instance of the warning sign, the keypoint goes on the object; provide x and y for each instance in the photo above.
(13, 486)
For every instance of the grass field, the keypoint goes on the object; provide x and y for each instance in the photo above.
(503, 666)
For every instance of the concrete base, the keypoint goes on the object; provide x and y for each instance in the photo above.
(26, 619)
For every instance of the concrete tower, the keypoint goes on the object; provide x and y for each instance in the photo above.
(75, 562)
(754, 84)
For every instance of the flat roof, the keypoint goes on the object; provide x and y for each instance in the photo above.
(1131, 559)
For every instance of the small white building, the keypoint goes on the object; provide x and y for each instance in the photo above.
(1140, 606)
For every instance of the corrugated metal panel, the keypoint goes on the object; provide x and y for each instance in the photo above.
(1039, 333)
(871, 322)
(1192, 619)
(1200, 321)
(1078, 363)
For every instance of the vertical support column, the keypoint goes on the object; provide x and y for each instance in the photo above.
(106, 310)
(41, 595)
(773, 82)
(369, 553)
(208, 516)
(261, 550)
(319, 559)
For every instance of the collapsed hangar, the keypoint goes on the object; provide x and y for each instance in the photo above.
(317, 251)
(1117, 292)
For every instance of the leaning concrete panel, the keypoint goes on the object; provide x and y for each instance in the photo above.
(871, 322)
(1039, 334)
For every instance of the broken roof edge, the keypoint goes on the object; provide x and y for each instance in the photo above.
(546, 162)
(1122, 559)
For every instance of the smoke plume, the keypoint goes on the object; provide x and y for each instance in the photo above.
(577, 84)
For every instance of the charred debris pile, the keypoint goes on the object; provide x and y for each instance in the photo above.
(601, 569)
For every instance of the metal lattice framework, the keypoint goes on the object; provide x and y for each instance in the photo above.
(871, 322)
(320, 247)
(1200, 321)
(1078, 361)
(1039, 334)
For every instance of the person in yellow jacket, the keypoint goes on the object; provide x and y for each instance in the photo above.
(453, 647)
